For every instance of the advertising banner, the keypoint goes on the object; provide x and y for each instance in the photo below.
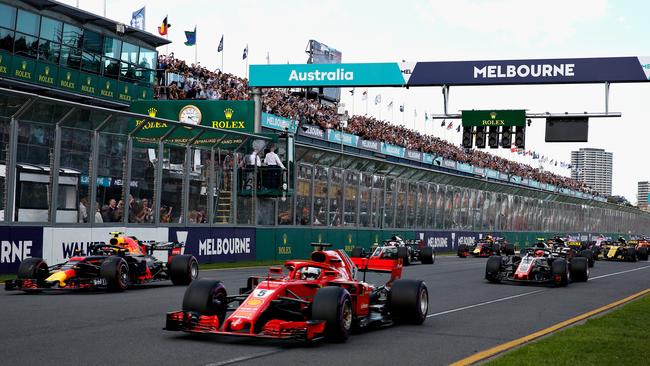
(515, 179)
(23, 69)
(494, 118)
(503, 176)
(60, 243)
(451, 164)
(427, 158)
(369, 145)
(312, 131)
(392, 150)
(5, 64)
(348, 139)
(492, 173)
(533, 183)
(302, 75)
(536, 71)
(18, 243)
(479, 171)
(443, 241)
(278, 123)
(414, 155)
(465, 168)
(47, 74)
(214, 245)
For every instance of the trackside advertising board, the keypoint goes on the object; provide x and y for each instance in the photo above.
(214, 245)
(437, 73)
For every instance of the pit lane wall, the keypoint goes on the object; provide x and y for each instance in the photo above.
(230, 244)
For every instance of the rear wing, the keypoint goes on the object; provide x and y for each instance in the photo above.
(382, 265)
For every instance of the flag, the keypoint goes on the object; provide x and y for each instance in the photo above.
(415, 112)
(243, 57)
(351, 91)
(458, 128)
(513, 149)
(191, 37)
(451, 125)
(164, 27)
(443, 123)
(390, 105)
(401, 108)
(268, 58)
(426, 116)
(377, 99)
(364, 96)
(137, 19)
(220, 48)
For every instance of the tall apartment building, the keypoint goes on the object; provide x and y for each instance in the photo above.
(643, 196)
(594, 168)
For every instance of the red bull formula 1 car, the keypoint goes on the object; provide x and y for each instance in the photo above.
(308, 300)
(122, 263)
(537, 265)
(486, 247)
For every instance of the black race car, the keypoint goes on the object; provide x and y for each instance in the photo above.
(409, 250)
(537, 265)
(486, 247)
(122, 263)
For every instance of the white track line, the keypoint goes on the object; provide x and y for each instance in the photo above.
(484, 303)
(618, 273)
(245, 358)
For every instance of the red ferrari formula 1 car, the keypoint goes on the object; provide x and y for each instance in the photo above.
(317, 298)
(122, 263)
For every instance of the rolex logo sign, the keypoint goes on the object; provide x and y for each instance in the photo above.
(126, 89)
(88, 87)
(88, 80)
(47, 70)
(22, 72)
(229, 123)
(228, 112)
(152, 112)
(493, 115)
(68, 76)
(108, 85)
(23, 65)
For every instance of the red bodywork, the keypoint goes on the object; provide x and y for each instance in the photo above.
(251, 317)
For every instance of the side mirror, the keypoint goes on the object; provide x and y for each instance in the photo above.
(275, 270)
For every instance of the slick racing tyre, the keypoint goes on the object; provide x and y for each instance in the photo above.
(587, 253)
(357, 252)
(462, 250)
(183, 269)
(560, 272)
(333, 305)
(631, 255)
(116, 272)
(206, 297)
(509, 249)
(493, 269)
(642, 253)
(580, 269)
(33, 268)
(427, 255)
(409, 301)
(403, 252)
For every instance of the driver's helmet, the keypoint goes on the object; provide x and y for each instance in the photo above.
(310, 273)
(621, 239)
(489, 238)
(539, 253)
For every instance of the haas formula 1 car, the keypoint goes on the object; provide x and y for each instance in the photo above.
(311, 299)
(537, 265)
(409, 250)
(124, 262)
(486, 247)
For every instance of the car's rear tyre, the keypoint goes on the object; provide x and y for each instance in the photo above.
(333, 305)
(183, 269)
(509, 249)
(631, 254)
(206, 297)
(580, 269)
(116, 273)
(409, 301)
(403, 252)
(560, 272)
(596, 252)
(587, 253)
(357, 252)
(427, 255)
(33, 268)
(462, 250)
(642, 253)
(493, 269)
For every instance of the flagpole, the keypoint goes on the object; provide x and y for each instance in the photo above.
(367, 97)
(353, 91)
(392, 114)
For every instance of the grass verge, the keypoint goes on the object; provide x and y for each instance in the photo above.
(616, 338)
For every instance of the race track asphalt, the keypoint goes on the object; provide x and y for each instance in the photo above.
(466, 315)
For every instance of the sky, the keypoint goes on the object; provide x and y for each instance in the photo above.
(436, 30)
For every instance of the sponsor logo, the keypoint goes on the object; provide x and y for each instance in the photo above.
(467, 240)
(22, 73)
(254, 302)
(284, 250)
(46, 78)
(493, 121)
(338, 75)
(107, 92)
(68, 248)
(228, 123)
(524, 71)
(373, 145)
(88, 88)
(14, 251)
(438, 242)
(67, 83)
(125, 95)
(224, 246)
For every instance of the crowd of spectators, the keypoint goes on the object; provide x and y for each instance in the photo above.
(178, 80)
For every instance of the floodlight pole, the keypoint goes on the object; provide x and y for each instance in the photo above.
(607, 97)
(445, 94)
